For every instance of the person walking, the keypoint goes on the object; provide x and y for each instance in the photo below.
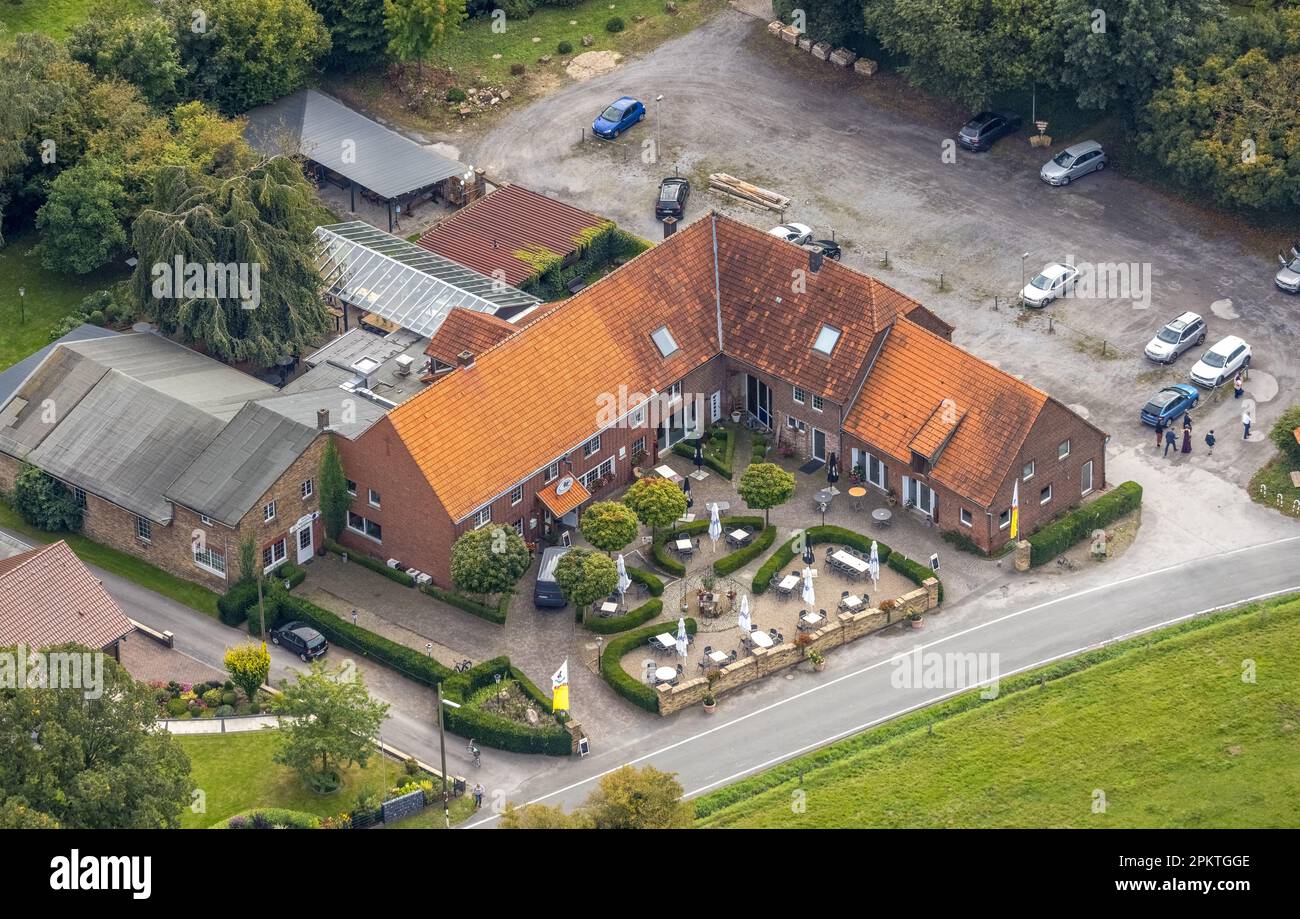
(478, 795)
(1187, 440)
(1160, 434)
(1187, 421)
(1209, 442)
(1238, 385)
(1245, 424)
(1170, 440)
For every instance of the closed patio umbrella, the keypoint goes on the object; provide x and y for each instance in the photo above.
(743, 622)
(699, 454)
(624, 582)
(715, 524)
(682, 640)
(686, 487)
(808, 556)
(833, 469)
(873, 565)
(808, 596)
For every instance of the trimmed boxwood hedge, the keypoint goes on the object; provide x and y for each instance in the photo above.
(913, 571)
(232, 608)
(746, 554)
(365, 561)
(664, 559)
(291, 573)
(622, 682)
(1076, 525)
(276, 816)
(493, 730)
(723, 466)
(642, 576)
(495, 614)
(631, 619)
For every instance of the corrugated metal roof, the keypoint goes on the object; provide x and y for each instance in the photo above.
(323, 129)
(379, 273)
(12, 377)
(489, 234)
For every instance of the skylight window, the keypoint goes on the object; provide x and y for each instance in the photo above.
(826, 340)
(664, 340)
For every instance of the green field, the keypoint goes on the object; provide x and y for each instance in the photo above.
(237, 772)
(50, 295)
(57, 17)
(1164, 726)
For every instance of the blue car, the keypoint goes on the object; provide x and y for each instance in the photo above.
(1168, 405)
(618, 118)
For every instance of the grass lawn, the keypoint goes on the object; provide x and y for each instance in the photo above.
(431, 817)
(237, 772)
(1163, 725)
(50, 295)
(57, 17)
(119, 563)
(1275, 476)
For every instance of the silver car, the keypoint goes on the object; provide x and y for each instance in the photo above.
(1288, 276)
(1073, 162)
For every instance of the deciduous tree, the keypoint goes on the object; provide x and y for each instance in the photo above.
(490, 560)
(328, 722)
(656, 502)
(585, 576)
(416, 27)
(765, 486)
(609, 525)
(249, 665)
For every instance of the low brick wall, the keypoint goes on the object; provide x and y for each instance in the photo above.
(839, 630)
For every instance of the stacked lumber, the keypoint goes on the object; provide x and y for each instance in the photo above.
(744, 191)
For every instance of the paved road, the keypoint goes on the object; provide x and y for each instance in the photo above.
(758, 729)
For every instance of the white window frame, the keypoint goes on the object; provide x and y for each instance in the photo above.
(591, 447)
(1032, 467)
(818, 404)
(639, 446)
(965, 517)
(275, 562)
(867, 460)
(516, 495)
(715, 406)
(519, 527)
(206, 520)
(798, 395)
(363, 530)
(1045, 500)
(307, 489)
(482, 517)
(1063, 450)
(143, 529)
(210, 560)
(351, 487)
(268, 512)
(674, 392)
(374, 498)
(1003, 525)
(637, 418)
(79, 496)
(552, 473)
(1088, 467)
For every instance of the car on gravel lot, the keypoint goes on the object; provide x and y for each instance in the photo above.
(301, 639)
(828, 248)
(1221, 362)
(1288, 276)
(980, 132)
(672, 197)
(1048, 284)
(1073, 162)
(796, 233)
(621, 115)
(1182, 332)
(1168, 405)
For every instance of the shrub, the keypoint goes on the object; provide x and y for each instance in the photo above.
(652, 583)
(456, 94)
(495, 614)
(177, 707)
(820, 534)
(746, 554)
(516, 69)
(718, 451)
(44, 502)
(1076, 525)
(1283, 434)
(665, 560)
(915, 572)
(229, 697)
(233, 608)
(224, 711)
(564, 47)
(291, 573)
(629, 620)
(615, 24)
(212, 698)
(622, 682)
(269, 818)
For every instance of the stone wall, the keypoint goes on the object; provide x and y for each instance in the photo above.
(839, 630)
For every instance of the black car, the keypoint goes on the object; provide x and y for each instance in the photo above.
(829, 248)
(980, 132)
(301, 639)
(672, 197)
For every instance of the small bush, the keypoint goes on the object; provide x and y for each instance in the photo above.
(177, 707)
(516, 69)
(456, 94)
(271, 818)
(746, 554)
(212, 698)
(229, 697)
(629, 620)
(564, 47)
(291, 573)
(225, 711)
(615, 24)
(1075, 526)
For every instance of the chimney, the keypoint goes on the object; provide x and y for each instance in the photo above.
(814, 261)
(322, 419)
(670, 226)
(465, 359)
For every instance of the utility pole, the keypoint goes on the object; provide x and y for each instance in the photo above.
(442, 747)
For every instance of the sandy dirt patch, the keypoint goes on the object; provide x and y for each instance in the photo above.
(592, 64)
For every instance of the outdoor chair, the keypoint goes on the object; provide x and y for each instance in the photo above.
(823, 613)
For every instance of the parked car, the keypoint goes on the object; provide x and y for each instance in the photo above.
(827, 247)
(301, 639)
(1074, 162)
(1177, 336)
(980, 132)
(672, 197)
(796, 233)
(1048, 284)
(1288, 276)
(547, 593)
(621, 115)
(1221, 362)
(1168, 405)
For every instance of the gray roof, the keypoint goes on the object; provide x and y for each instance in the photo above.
(126, 442)
(46, 398)
(323, 129)
(379, 381)
(12, 378)
(349, 415)
(237, 467)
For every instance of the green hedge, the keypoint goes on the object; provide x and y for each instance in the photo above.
(913, 571)
(493, 730)
(665, 560)
(278, 816)
(746, 554)
(622, 682)
(629, 620)
(365, 561)
(232, 608)
(291, 573)
(495, 614)
(719, 464)
(642, 576)
(1077, 525)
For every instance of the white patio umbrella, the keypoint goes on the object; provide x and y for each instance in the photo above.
(681, 636)
(808, 596)
(624, 582)
(873, 565)
(715, 524)
(743, 621)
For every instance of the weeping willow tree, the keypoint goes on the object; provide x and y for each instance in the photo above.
(228, 261)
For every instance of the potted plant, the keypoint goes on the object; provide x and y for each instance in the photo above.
(914, 620)
(891, 497)
(818, 660)
(710, 702)
(735, 414)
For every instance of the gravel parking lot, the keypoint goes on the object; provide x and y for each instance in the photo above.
(857, 162)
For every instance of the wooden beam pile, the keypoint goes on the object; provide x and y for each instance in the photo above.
(744, 191)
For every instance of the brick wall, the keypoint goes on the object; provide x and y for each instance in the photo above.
(828, 420)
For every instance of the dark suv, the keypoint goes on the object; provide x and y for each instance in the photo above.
(672, 198)
(301, 639)
(980, 132)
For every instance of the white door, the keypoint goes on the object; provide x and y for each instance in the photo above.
(304, 544)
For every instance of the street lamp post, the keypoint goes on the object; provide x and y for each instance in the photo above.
(1022, 276)
(658, 108)
(22, 305)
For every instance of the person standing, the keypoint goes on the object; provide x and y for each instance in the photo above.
(1187, 421)
(1209, 442)
(1160, 434)
(1187, 440)
(1170, 440)
(1238, 385)
(1245, 424)
(478, 795)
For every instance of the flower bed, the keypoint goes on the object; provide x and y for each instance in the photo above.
(719, 449)
(211, 699)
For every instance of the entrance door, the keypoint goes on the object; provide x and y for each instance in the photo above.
(919, 495)
(304, 544)
(758, 400)
(819, 445)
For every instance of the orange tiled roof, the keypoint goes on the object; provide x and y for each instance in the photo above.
(486, 235)
(467, 330)
(48, 597)
(986, 420)
(562, 504)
